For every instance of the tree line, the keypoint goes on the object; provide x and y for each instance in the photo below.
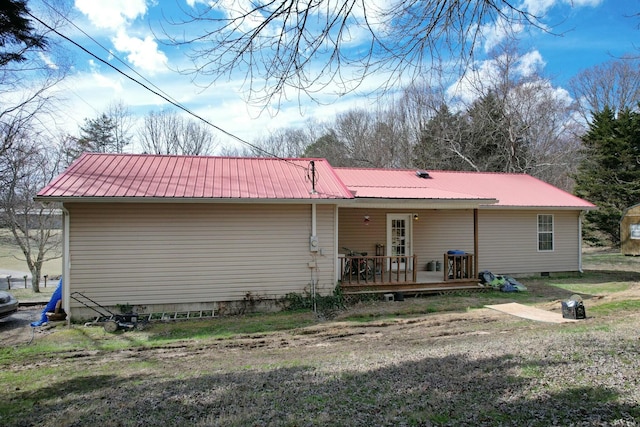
(516, 123)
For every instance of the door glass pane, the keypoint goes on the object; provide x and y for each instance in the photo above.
(398, 237)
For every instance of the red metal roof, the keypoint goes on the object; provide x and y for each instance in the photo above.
(96, 175)
(194, 177)
(515, 190)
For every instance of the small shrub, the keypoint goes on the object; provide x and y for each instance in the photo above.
(325, 306)
(125, 308)
(296, 302)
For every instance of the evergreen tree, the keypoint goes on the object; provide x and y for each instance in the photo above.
(17, 34)
(98, 136)
(609, 174)
(329, 147)
(440, 144)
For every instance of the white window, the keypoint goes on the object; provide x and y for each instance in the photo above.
(545, 232)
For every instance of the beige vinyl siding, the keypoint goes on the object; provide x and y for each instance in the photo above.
(357, 235)
(509, 242)
(438, 231)
(434, 233)
(193, 253)
(508, 239)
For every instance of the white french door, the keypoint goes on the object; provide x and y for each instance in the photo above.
(399, 240)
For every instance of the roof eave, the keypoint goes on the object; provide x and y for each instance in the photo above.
(530, 207)
(184, 200)
(375, 202)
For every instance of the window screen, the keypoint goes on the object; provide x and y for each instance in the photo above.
(545, 232)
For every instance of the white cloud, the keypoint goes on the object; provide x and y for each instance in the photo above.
(142, 53)
(529, 63)
(539, 7)
(111, 14)
(587, 3)
(498, 31)
(47, 60)
(117, 16)
(495, 32)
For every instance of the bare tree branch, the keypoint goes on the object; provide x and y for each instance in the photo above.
(333, 45)
(614, 84)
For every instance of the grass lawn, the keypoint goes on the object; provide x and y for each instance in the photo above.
(433, 360)
(12, 258)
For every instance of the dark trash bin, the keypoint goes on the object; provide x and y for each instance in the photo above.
(573, 308)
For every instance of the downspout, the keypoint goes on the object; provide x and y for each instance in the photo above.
(313, 248)
(66, 264)
(313, 220)
(476, 243)
(580, 216)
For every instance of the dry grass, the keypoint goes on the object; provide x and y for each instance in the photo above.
(379, 364)
(12, 258)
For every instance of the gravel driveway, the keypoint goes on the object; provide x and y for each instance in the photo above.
(16, 329)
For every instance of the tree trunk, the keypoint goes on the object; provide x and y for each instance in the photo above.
(35, 278)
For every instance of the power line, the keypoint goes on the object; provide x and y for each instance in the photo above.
(108, 51)
(158, 91)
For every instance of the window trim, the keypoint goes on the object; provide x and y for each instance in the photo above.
(545, 232)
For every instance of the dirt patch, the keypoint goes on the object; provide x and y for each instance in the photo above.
(466, 367)
(16, 328)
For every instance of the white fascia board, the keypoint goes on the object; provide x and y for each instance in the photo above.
(373, 203)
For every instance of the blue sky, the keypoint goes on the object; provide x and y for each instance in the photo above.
(590, 32)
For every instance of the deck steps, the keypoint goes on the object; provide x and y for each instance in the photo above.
(410, 288)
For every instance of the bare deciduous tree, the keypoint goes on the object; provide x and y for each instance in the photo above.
(289, 142)
(278, 45)
(165, 132)
(123, 125)
(374, 139)
(518, 122)
(28, 167)
(26, 114)
(614, 84)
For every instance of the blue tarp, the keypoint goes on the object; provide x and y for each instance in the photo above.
(51, 306)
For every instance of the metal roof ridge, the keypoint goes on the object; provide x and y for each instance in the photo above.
(431, 170)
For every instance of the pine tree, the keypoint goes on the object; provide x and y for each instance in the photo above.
(609, 174)
(17, 34)
(98, 136)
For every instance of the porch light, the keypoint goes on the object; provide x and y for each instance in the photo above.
(366, 220)
(415, 217)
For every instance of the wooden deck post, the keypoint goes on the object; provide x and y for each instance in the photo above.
(475, 242)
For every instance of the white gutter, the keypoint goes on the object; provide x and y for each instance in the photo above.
(66, 265)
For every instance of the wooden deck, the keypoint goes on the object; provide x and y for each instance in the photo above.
(370, 274)
(426, 282)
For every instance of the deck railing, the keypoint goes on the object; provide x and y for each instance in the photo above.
(359, 269)
(458, 267)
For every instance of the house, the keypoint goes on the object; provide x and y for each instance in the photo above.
(178, 233)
